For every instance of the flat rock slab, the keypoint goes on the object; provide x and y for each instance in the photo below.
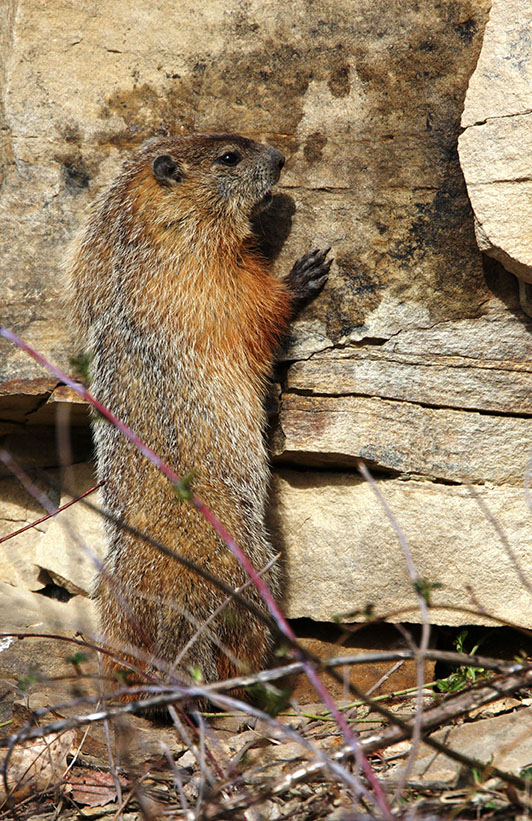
(66, 548)
(39, 664)
(403, 437)
(24, 611)
(342, 554)
(74, 545)
(377, 676)
(18, 509)
(501, 85)
(470, 364)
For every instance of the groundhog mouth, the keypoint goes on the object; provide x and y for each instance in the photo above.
(264, 202)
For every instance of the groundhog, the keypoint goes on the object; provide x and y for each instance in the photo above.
(181, 318)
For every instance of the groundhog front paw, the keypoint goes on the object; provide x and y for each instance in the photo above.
(309, 275)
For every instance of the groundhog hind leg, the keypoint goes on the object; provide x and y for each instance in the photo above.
(128, 654)
(246, 647)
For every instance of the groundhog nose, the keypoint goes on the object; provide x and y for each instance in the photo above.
(277, 157)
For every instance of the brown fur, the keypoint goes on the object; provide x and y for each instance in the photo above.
(182, 317)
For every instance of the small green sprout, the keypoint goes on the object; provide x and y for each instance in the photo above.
(81, 365)
(31, 677)
(424, 588)
(526, 772)
(124, 677)
(368, 613)
(77, 658)
(466, 674)
(197, 674)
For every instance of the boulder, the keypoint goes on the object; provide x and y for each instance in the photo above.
(364, 99)
(494, 147)
(17, 554)
(416, 355)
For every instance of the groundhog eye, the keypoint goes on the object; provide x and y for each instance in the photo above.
(230, 158)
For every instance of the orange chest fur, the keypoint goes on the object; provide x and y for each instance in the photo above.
(231, 311)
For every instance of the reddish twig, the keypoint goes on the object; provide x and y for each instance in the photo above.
(50, 515)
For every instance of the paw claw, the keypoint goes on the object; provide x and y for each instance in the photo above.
(309, 274)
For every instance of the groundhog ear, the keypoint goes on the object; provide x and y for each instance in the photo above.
(166, 169)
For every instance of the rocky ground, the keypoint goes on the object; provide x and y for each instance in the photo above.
(65, 760)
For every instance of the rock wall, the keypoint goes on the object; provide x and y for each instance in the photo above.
(416, 355)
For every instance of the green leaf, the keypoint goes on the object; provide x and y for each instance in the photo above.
(124, 677)
(183, 489)
(81, 365)
(526, 772)
(31, 677)
(197, 674)
(270, 699)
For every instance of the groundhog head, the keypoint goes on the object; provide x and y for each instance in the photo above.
(222, 174)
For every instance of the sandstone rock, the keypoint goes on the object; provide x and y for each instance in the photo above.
(415, 356)
(74, 542)
(503, 741)
(57, 549)
(501, 84)
(341, 552)
(480, 364)
(403, 437)
(500, 191)
(21, 397)
(18, 509)
(22, 610)
(39, 665)
(63, 406)
(494, 148)
(376, 638)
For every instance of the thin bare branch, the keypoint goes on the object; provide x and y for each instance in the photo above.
(425, 624)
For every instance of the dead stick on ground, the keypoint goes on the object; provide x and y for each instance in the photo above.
(451, 708)
(433, 719)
